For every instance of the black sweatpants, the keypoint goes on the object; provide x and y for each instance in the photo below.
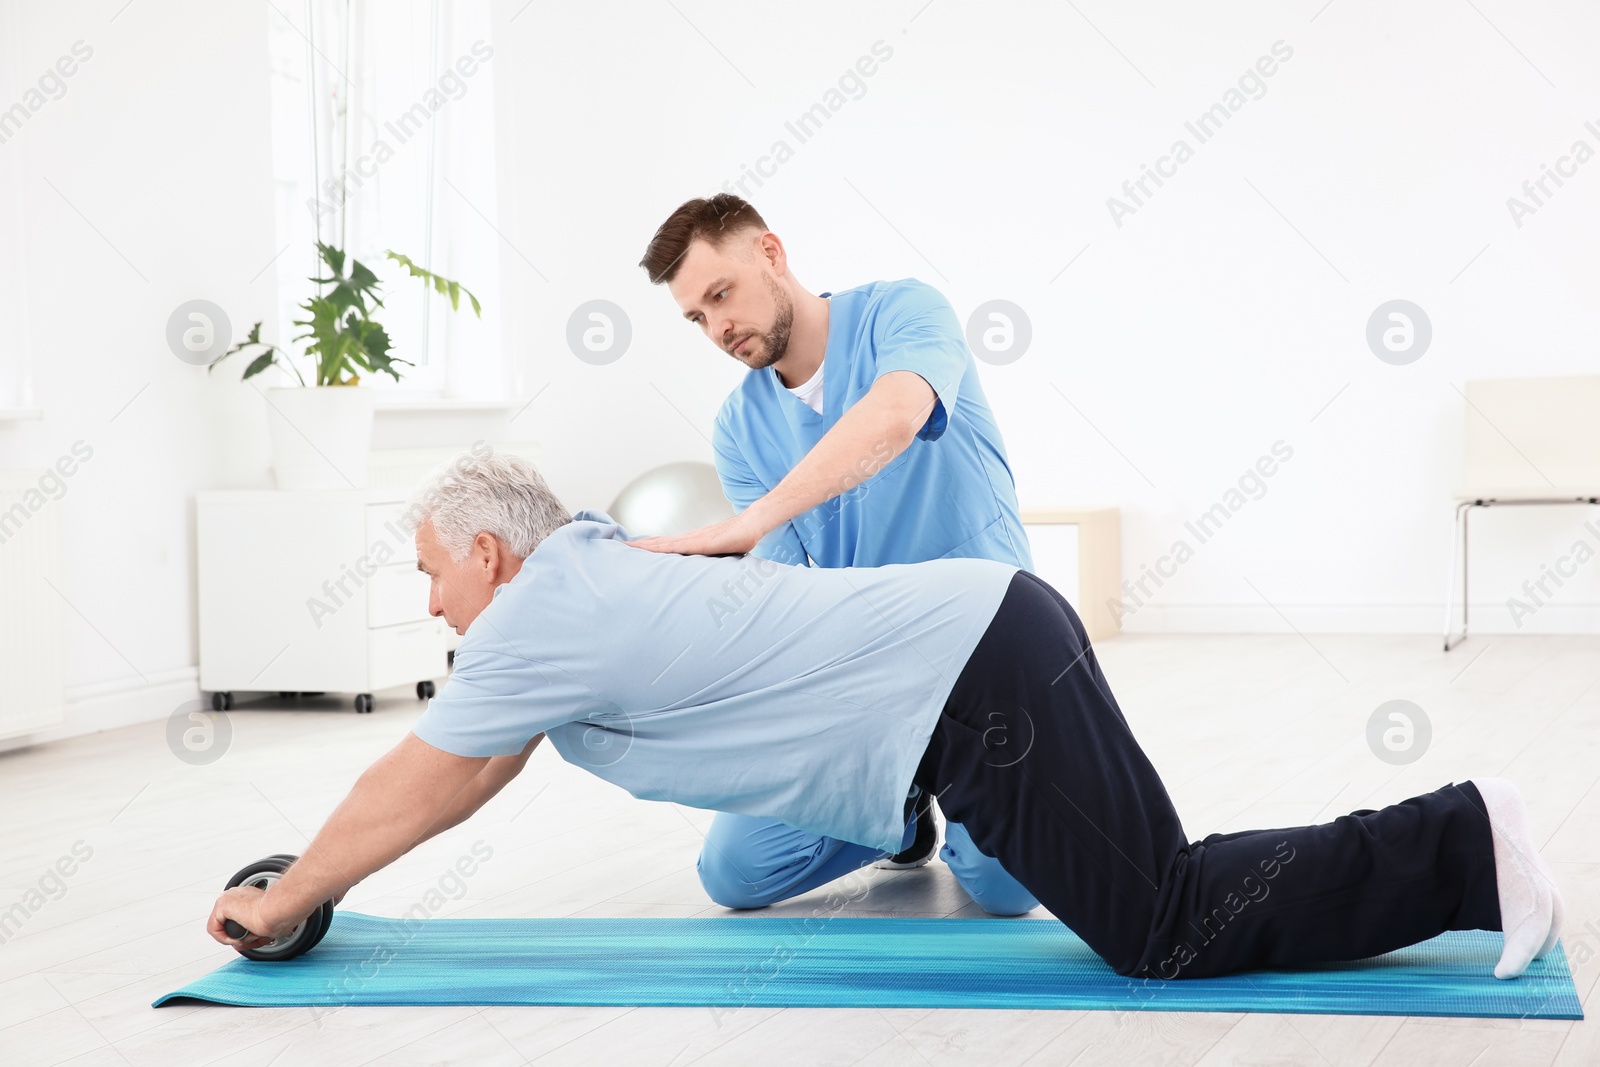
(1032, 755)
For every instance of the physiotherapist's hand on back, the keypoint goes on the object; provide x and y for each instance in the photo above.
(730, 537)
(866, 439)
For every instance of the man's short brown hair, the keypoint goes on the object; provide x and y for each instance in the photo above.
(715, 220)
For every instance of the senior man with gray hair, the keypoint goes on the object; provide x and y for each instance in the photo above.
(819, 696)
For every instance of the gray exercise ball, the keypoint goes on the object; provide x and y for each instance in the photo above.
(671, 499)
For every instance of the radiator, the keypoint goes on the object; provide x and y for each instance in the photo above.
(32, 649)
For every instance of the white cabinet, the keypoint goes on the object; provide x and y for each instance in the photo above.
(313, 591)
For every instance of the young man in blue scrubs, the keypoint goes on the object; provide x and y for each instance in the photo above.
(860, 437)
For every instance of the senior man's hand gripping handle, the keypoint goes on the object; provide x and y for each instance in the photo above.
(410, 794)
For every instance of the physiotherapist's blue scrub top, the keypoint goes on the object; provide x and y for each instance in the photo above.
(950, 494)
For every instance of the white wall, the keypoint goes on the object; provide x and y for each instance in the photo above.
(979, 158)
(159, 155)
(1192, 337)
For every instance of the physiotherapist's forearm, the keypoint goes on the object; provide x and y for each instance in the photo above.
(867, 438)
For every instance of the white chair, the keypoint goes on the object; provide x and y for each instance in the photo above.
(1528, 441)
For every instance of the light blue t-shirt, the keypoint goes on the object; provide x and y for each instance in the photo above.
(950, 494)
(728, 683)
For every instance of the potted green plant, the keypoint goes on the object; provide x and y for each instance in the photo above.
(322, 430)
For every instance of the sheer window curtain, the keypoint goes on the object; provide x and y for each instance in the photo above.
(16, 356)
(383, 138)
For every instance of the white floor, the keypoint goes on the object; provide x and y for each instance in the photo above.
(1248, 731)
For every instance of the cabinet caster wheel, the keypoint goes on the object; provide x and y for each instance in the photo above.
(221, 701)
(363, 703)
(425, 690)
(302, 938)
(287, 695)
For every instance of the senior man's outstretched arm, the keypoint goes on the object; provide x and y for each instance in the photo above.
(483, 787)
(395, 803)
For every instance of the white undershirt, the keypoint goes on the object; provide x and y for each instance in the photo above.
(810, 393)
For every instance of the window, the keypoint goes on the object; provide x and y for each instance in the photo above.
(383, 138)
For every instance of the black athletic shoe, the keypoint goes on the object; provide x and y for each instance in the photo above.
(924, 844)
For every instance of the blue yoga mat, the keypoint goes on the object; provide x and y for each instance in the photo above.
(730, 963)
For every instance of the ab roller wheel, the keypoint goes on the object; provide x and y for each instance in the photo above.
(302, 938)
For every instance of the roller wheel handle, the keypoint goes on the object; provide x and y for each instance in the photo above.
(301, 939)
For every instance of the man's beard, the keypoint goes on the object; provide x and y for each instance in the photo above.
(775, 342)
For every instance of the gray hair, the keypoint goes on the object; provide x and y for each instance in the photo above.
(483, 491)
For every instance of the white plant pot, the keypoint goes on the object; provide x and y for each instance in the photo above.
(321, 436)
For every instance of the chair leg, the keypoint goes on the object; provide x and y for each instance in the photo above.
(1458, 542)
(1466, 598)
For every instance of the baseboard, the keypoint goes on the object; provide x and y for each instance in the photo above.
(1487, 618)
(110, 705)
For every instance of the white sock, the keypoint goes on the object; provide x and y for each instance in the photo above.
(1530, 906)
(1558, 912)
